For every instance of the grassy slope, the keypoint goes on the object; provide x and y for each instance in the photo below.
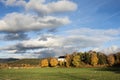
(60, 74)
(26, 61)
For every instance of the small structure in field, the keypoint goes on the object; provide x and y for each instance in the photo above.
(62, 58)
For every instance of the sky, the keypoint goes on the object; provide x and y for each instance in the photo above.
(48, 28)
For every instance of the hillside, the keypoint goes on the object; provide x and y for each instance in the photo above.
(8, 60)
(25, 61)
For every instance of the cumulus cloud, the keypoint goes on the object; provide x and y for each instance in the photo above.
(53, 7)
(15, 36)
(109, 50)
(17, 22)
(33, 44)
(22, 22)
(40, 6)
(14, 2)
(61, 44)
(13, 24)
(99, 34)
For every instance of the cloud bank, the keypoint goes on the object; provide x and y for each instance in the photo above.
(72, 40)
(39, 15)
(36, 16)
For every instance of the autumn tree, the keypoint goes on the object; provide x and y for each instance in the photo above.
(44, 63)
(53, 62)
(76, 60)
(111, 59)
(94, 59)
(68, 60)
(102, 58)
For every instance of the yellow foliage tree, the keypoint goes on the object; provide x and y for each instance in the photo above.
(44, 63)
(111, 59)
(53, 62)
(94, 59)
(76, 61)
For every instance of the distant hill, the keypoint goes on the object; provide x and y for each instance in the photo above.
(8, 60)
(25, 61)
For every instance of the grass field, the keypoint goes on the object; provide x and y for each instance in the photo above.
(61, 74)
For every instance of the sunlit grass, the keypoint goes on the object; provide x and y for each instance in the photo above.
(59, 74)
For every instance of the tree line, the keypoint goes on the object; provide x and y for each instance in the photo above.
(85, 59)
(76, 59)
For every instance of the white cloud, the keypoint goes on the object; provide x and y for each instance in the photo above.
(69, 42)
(15, 22)
(109, 50)
(50, 42)
(53, 7)
(94, 32)
(14, 2)
(40, 6)
(80, 39)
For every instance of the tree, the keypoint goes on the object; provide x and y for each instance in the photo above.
(68, 60)
(117, 58)
(87, 58)
(94, 59)
(76, 60)
(111, 59)
(44, 63)
(102, 58)
(53, 62)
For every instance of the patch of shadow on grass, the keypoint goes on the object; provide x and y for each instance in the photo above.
(111, 69)
(71, 76)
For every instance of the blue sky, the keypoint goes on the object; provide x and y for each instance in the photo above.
(42, 28)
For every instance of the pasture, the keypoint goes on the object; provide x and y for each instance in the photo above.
(60, 74)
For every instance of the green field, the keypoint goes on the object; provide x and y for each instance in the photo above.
(61, 74)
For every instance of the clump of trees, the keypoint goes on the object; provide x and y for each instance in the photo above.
(76, 59)
(92, 58)
(52, 62)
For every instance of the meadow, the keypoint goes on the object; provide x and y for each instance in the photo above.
(60, 74)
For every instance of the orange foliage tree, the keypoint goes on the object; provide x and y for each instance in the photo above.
(53, 62)
(44, 63)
